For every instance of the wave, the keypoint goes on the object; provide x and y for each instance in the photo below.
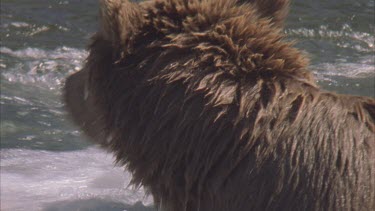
(37, 180)
(365, 68)
(44, 68)
(343, 38)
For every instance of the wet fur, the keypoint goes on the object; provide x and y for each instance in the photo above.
(211, 109)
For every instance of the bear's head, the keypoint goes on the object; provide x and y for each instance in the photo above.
(167, 40)
(164, 77)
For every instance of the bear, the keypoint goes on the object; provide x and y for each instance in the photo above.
(209, 107)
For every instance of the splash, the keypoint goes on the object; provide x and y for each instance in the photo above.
(43, 179)
(363, 69)
(343, 38)
(44, 68)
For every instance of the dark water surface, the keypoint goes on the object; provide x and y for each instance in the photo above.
(45, 162)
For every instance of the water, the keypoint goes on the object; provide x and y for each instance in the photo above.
(46, 163)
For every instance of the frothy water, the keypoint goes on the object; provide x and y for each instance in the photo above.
(78, 180)
(44, 68)
(348, 70)
(346, 37)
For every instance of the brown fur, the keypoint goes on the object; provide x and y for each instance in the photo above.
(210, 109)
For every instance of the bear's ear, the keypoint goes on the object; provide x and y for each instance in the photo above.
(120, 21)
(275, 10)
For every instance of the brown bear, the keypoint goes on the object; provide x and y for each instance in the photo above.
(211, 109)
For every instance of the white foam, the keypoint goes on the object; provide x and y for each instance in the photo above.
(20, 24)
(348, 70)
(366, 40)
(363, 69)
(44, 68)
(36, 53)
(15, 24)
(35, 180)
